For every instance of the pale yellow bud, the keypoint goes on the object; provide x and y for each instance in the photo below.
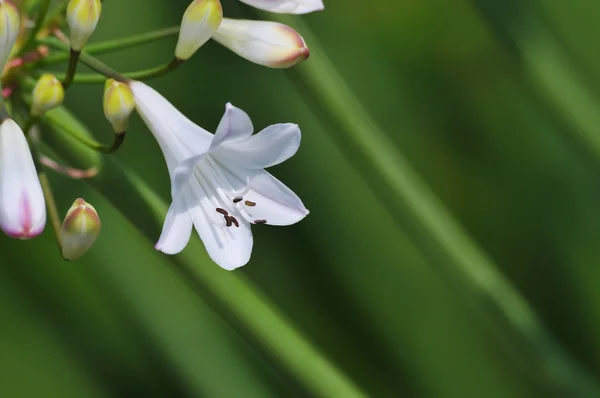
(47, 94)
(200, 21)
(79, 230)
(118, 104)
(10, 22)
(82, 17)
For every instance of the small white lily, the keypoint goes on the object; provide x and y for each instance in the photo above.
(219, 184)
(287, 6)
(22, 205)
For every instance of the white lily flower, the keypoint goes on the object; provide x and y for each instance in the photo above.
(22, 205)
(219, 184)
(265, 43)
(287, 6)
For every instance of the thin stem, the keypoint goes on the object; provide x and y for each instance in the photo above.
(100, 67)
(71, 69)
(432, 227)
(44, 182)
(39, 23)
(76, 174)
(116, 144)
(51, 205)
(116, 45)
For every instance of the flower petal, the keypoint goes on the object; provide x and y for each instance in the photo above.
(269, 147)
(22, 204)
(229, 247)
(178, 137)
(287, 6)
(267, 199)
(235, 125)
(177, 228)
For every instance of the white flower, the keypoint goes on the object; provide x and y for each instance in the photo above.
(287, 6)
(22, 205)
(265, 43)
(219, 184)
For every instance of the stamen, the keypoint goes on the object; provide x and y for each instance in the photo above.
(228, 221)
(237, 199)
(222, 211)
(250, 203)
(260, 221)
(234, 221)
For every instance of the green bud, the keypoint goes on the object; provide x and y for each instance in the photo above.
(118, 104)
(79, 230)
(82, 17)
(47, 94)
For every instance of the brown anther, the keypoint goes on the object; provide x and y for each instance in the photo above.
(227, 221)
(234, 221)
(260, 221)
(237, 199)
(249, 203)
(222, 211)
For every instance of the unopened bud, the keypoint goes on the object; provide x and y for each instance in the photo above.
(199, 23)
(82, 17)
(79, 230)
(10, 22)
(287, 6)
(118, 104)
(47, 94)
(265, 43)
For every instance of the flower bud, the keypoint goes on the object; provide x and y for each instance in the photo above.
(199, 23)
(79, 230)
(22, 204)
(118, 104)
(265, 43)
(10, 22)
(287, 6)
(82, 17)
(47, 94)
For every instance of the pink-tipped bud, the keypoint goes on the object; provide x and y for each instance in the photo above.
(287, 6)
(265, 43)
(79, 230)
(22, 204)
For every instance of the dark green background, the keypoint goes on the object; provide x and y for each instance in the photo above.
(456, 85)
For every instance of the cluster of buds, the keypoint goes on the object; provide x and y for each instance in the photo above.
(230, 190)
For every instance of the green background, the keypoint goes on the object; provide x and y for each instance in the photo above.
(490, 100)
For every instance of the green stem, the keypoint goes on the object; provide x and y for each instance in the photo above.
(51, 205)
(39, 23)
(104, 70)
(44, 182)
(90, 143)
(71, 69)
(115, 45)
(433, 228)
(232, 294)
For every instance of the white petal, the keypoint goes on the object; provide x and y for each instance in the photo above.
(235, 125)
(274, 202)
(177, 228)
(265, 43)
(269, 147)
(229, 247)
(287, 6)
(178, 137)
(22, 204)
